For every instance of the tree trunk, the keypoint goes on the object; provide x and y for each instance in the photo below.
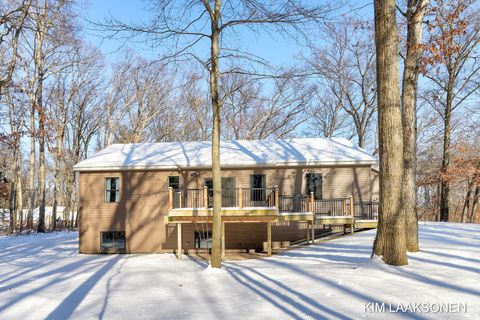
(473, 212)
(466, 203)
(12, 206)
(415, 14)
(55, 202)
(445, 187)
(39, 61)
(19, 193)
(216, 173)
(31, 177)
(41, 150)
(390, 241)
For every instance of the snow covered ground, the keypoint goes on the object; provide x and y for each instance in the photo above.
(43, 276)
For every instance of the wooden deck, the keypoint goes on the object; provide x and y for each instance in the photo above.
(193, 206)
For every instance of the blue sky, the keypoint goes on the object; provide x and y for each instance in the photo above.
(278, 50)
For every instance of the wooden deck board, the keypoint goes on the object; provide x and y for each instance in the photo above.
(190, 215)
(366, 224)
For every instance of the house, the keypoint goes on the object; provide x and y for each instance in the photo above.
(156, 197)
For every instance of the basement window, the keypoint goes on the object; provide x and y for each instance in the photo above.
(203, 240)
(112, 241)
(112, 189)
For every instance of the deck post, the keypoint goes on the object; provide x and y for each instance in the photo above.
(240, 197)
(180, 199)
(308, 232)
(223, 240)
(269, 238)
(313, 230)
(352, 213)
(344, 207)
(179, 240)
(205, 197)
(311, 202)
(352, 206)
(276, 204)
(170, 198)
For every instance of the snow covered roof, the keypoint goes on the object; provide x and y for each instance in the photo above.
(233, 154)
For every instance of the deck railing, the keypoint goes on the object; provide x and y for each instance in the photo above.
(258, 197)
(231, 198)
(366, 210)
(294, 203)
(269, 197)
(331, 207)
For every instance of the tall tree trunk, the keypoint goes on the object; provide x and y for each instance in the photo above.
(15, 194)
(12, 206)
(216, 173)
(41, 150)
(19, 193)
(415, 13)
(31, 176)
(390, 241)
(447, 140)
(466, 203)
(58, 158)
(473, 212)
(39, 59)
(55, 201)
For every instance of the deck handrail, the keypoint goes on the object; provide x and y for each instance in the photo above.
(245, 197)
(240, 197)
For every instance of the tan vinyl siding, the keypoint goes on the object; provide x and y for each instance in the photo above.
(144, 202)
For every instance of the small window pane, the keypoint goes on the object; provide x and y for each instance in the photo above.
(112, 240)
(112, 190)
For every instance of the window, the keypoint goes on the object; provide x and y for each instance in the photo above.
(174, 182)
(203, 240)
(112, 190)
(112, 240)
(257, 184)
(314, 184)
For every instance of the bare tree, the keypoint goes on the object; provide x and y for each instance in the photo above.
(413, 58)
(346, 67)
(452, 65)
(12, 21)
(250, 113)
(15, 115)
(390, 240)
(326, 116)
(185, 24)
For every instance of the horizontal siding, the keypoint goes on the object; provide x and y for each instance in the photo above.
(144, 203)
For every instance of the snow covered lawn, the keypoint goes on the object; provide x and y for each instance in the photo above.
(43, 276)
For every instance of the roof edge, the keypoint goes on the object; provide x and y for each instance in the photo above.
(276, 164)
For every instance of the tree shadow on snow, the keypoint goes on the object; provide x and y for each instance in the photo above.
(66, 308)
(279, 294)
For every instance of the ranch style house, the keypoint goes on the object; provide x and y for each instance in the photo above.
(156, 197)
